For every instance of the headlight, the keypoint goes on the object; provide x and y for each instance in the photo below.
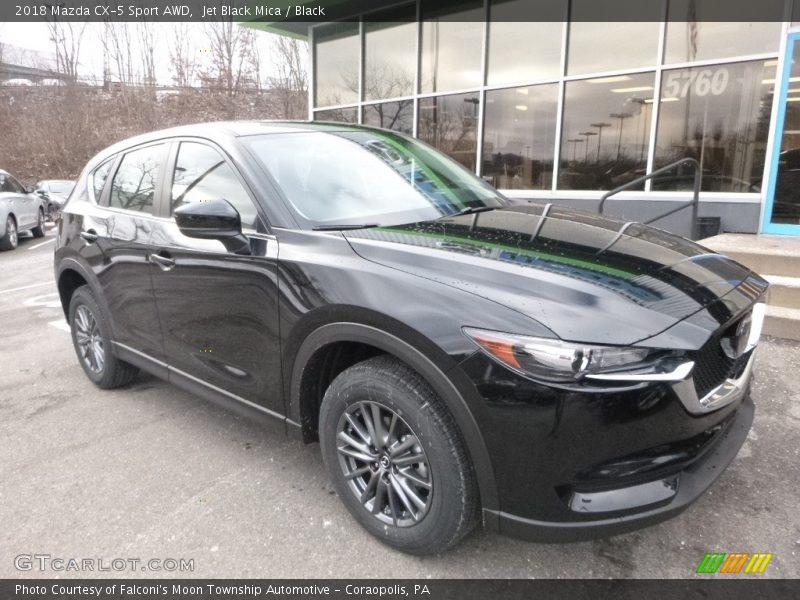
(554, 360)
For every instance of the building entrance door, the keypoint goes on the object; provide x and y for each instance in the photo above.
(782, 210)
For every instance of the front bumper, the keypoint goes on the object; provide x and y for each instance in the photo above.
(612, 454)
(685, 487)
(574, 464)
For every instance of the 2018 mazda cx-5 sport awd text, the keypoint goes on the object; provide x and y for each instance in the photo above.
(555, 374)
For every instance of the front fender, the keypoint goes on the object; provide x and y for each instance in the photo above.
(5, 210)
(464, 404)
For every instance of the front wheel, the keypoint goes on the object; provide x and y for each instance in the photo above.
(38, 231)
(396, 457)
(9, 240)
(92, 342)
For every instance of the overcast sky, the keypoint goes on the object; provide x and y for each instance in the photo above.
(35, 36)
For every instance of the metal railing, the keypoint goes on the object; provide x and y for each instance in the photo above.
(698, 180)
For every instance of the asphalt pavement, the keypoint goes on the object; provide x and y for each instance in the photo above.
(151, 472)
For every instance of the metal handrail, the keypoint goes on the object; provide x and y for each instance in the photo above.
(694, 203)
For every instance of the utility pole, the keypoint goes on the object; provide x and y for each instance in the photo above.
(574, 142)
(600, 127)
(588, 134)
(642, 115)
(621, 116)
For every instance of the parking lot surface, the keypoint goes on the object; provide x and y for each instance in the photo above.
(151, 472)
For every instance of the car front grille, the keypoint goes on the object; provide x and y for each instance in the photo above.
(712, 366)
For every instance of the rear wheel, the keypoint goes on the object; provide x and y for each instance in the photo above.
(9, 240)
(396, 457)
(92, 342)
(38, 231)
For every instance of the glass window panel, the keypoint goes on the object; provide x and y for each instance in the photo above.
(332, 177)
(201, 174)
(606, 131)
(449, 123)
(452, 42)
(9, 184)
(521, 51)
(595, 47)
(336, 58)
(519, 137)
(340, 115)
(719, 115)
(398, 116)
(134, 184)
(786, 205)
(390, 55)
(99, 178)
(690, 37)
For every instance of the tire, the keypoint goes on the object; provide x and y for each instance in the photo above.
(10, 237)
(443, 476)
(92, 342)
(38, 231)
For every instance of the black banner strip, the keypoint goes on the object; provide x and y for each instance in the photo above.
(320, 11)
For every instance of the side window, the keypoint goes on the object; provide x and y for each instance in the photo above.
(5, 186)
(202, 174)
(99, 177)
(12, 185)
(134, 184)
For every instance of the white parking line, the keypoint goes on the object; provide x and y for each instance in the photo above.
(27, 287)
(40, 244)
(60, 324)
(50, 300)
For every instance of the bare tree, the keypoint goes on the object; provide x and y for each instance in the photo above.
(255, 62)
(116, 42)
(290, 62)
(390, 115)
(148, 40)
(450, 127)
(67, 38)
(232, 50)
(386, 81)
(182, 55)
(290, 83)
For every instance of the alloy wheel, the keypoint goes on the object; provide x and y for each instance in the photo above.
(384, 464)
(11, 232)
(89, 340)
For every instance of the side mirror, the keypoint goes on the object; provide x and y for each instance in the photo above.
(29, 189)
(213, 220)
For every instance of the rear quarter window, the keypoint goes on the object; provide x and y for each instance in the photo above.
(99, 177)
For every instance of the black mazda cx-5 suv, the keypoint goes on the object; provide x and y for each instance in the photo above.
(556, 374)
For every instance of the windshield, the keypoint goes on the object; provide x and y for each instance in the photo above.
(367, 177)
(61, 187)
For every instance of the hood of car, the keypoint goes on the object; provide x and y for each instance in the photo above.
(585, 277)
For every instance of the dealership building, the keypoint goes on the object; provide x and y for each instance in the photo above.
(561, 111)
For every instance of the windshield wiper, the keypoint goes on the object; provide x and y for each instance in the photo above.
(344, 227)
(470, 210)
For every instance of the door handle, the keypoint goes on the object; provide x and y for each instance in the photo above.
(89, 236)
(162, 259)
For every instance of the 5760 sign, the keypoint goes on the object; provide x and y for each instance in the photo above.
(701, 82)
